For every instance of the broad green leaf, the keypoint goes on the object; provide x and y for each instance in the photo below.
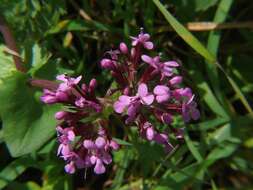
(27, 124)
(6, 64)
(185, 34)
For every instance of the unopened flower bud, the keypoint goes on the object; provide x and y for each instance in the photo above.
(175, 80)
(93, 84)
(133, 52)
(123, 48)
(114, 145)
(60, 115)
(107, 64)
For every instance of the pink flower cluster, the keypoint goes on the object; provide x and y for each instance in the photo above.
(82, 145)
(151, 94)
(149, 86)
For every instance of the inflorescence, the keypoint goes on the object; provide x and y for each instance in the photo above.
(150, 92)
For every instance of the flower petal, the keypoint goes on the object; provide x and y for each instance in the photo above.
(162, 98)
(100, 142)
(71, 135)
(150, 133)
(62, 78)
(161, 89)
(119, 107)
(99, 168)
(142, 90)
(147, 59)
(148, 45)
(148, 99)
(171, 63)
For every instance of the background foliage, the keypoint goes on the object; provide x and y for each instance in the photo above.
(67, 36)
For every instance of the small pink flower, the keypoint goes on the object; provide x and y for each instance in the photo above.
(165, 68)
(144, 40)
(162, 93)
(68, 82)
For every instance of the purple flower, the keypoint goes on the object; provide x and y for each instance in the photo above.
(144, 40)
(68, 82)
(114, 54)
(183, 94)
(190, 110)
(83, 103)
(162, 93)
(145, 97)
(99, 166)
(123, 102)
(132, 104)
(100, 142)
(66, 133)
(165, 68)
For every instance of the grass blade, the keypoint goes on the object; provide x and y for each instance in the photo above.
(185, 34)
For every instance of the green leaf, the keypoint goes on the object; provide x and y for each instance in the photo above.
(213, 43)
(185, 34)
(13, 170)
(122, 142)
(198, 47)
(6, 64)
(195, 152)
(122, 158)
(27, 124)
(38, 59)
(80, 25)
(202, 5)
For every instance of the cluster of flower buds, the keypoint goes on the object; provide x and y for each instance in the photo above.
(149, 87)
(151, 93)
(82, 145)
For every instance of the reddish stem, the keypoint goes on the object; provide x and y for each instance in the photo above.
(11, 44)
(45, 84)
